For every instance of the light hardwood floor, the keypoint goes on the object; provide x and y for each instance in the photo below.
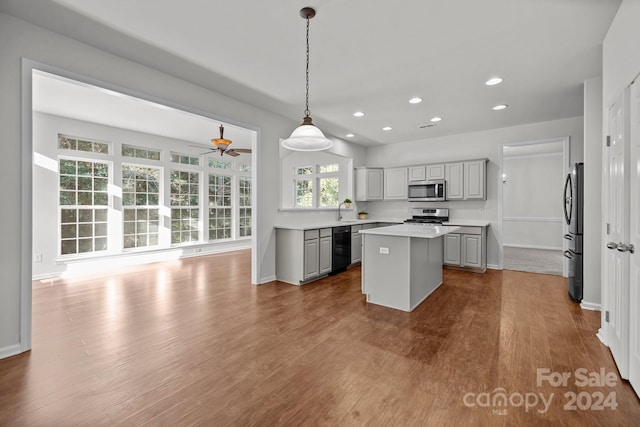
(193, 343)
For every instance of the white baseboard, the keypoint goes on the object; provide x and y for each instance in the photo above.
(494, 267)
(267, 279)
(601, 337)
(10, 350)
(513, 245)
(585, 305)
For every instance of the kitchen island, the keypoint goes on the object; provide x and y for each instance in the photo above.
(402, 264)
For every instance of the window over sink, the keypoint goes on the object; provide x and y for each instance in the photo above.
(315, 180)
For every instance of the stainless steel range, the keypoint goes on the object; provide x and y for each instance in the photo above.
(428, 216)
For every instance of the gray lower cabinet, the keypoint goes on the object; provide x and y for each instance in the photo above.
(452, 249)
(356, 243)
(326, 248)
(467, 248)
(303, 255)
(311, 258)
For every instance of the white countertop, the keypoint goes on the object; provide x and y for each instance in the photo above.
(424, 231)
(468, 222)
(329, 224)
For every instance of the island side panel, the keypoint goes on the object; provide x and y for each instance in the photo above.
(386, 276)
(289, 255)
(426, 268)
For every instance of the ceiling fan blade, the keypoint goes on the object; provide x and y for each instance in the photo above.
(232, 153)
(242, 150)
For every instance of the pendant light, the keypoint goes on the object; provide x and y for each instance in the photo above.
(307, 137)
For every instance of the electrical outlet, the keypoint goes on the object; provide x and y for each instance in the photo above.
(384, 251)
(481, 210)
(37, 257)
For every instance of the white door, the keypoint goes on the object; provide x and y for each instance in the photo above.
(634, 239)
(616, 263)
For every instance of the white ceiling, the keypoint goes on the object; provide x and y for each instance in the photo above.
(68, 98)
(369, 55)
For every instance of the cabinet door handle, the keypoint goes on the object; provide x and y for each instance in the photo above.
(612, 245)
(568, 254)
(568, 236)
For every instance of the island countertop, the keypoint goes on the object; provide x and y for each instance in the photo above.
(424, 231)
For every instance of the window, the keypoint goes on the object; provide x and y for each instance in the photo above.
(219, 207)
(167, 199)
(141, 202)
(220, 164)
(244, 203)
(315, 181)
(140, 153)
(185, 159)
(83, 199)
(185, 207)
(70, 143)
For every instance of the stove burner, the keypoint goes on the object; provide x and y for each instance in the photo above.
(423, 221)
(428, 216)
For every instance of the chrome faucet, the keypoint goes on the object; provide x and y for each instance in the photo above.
(347, 204)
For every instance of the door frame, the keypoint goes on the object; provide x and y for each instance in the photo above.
(566, 140)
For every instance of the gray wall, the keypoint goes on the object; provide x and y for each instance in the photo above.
(593, 182)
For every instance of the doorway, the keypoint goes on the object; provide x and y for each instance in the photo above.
(34, 161)
(531, 181)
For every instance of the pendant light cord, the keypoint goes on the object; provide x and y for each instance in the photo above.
(306, 111)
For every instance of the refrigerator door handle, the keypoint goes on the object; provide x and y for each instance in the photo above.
(568, 199)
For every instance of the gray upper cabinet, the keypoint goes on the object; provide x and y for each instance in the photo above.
(395, 184)
(417, 173)
(475, 182)
(454, 174)
(369, 184)
(435, 172)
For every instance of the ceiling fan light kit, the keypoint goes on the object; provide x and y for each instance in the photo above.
(307, 137)
(222, 145)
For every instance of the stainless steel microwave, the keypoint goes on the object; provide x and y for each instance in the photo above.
(428, 191)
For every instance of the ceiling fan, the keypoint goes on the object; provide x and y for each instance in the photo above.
(222, 146)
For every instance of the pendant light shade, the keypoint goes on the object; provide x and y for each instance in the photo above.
(307, 137)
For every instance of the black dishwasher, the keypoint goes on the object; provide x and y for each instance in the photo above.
(341, 255)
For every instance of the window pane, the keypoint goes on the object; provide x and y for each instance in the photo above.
(141, 203)
(329, 168)
(80, 227)
(304, 193)
(328, 192)
(307, 170)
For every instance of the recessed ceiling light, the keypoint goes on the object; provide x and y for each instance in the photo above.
(387, 128)
(493, 81)
(349, 135)
(436, 119)
(358, 114)
(500, 107)
(415, 100)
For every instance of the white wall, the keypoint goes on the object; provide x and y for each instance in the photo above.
(593, 143)
(532, 209)
(46, 128)
(23, 40)
(484, 144)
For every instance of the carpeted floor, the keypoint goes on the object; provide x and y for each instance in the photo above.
(542, 261)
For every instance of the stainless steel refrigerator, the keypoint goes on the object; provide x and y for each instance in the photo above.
(573, 215)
